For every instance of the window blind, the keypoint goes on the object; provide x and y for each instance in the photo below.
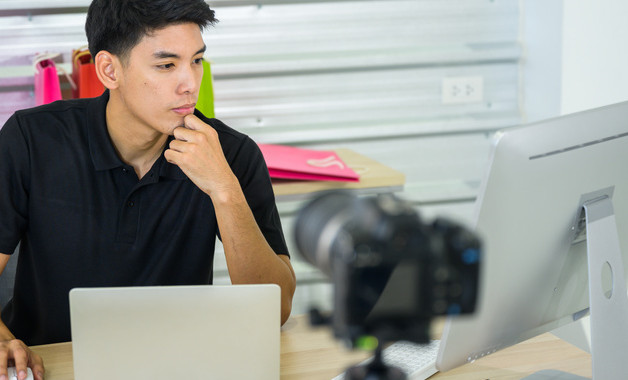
(374, 76)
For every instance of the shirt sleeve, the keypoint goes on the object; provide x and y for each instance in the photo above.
(251, 170)
(14, 189)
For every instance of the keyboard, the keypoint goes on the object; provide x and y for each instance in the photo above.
(418, 361)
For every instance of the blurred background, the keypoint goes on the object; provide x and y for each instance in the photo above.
(418, 85)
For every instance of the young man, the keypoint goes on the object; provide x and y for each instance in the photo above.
(130, 188)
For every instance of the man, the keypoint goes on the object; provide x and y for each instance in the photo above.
(130, 188)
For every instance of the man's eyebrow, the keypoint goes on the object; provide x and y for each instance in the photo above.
(201, 50)
(166, 54)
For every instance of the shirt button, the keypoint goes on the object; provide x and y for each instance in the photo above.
(124, 170)
(131, 203)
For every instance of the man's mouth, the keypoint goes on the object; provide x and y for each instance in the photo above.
(185, 109)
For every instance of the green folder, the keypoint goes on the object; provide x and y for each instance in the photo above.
(205, 102)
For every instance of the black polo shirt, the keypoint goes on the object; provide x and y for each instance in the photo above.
(85, 219)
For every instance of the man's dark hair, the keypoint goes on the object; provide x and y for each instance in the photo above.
(118, 25)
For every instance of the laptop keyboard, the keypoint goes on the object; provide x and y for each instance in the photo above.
(418, 361)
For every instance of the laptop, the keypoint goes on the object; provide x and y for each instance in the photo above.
(176, 332)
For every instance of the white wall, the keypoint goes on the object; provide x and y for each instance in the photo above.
(595, 54)
(541, 80)
(575, 55)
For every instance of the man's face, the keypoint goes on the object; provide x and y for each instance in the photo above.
(161, 78)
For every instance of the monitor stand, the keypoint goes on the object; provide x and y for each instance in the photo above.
(608, 302)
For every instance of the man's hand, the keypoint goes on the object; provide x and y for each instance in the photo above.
(197, 151)
(17, 353)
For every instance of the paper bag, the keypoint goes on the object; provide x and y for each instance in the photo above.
(84, 75)
(47, 87)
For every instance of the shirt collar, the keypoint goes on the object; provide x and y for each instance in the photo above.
(101, 148)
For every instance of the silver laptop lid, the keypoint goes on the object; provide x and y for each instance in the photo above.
(174, 332)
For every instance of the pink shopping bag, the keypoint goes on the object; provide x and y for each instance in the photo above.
(47, 87)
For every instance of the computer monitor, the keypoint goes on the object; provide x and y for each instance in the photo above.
(545, 214)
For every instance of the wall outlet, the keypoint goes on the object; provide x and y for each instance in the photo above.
(458, 90)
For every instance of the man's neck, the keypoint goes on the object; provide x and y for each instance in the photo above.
(136, 144)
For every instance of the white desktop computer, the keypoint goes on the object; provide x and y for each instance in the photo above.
(553, 215)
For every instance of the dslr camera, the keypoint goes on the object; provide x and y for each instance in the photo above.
(391, 272)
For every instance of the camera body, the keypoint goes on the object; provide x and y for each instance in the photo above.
(391, 272)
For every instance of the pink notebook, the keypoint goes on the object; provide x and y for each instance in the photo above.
(288, 162)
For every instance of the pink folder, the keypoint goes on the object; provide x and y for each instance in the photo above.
(288, 162)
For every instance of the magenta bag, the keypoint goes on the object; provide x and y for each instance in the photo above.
(47, 86)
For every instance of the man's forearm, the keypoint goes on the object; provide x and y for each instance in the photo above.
(250, 259)
(5, 333)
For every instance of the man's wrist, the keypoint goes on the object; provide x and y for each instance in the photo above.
(5, 333)
(227, 193)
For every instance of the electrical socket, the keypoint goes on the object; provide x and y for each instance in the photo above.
(457, 90)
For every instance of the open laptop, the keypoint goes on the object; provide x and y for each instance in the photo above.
(176, 332)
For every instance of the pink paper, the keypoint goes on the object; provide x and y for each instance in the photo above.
(305, 164)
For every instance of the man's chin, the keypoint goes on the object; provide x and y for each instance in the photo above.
(175, 125)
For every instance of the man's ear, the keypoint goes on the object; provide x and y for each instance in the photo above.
(107, 69)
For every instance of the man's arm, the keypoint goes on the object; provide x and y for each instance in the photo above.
(4, 259)
(250, 259)
(15, 350)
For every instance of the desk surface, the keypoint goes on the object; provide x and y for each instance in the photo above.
(312, 354)
(374, 178)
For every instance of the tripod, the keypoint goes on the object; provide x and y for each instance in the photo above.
(376, 369)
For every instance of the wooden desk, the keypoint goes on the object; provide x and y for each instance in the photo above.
(313, 354)
(374, 178)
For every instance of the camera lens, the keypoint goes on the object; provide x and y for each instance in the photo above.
(317, 227)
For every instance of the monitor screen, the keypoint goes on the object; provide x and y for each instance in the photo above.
(534, 274)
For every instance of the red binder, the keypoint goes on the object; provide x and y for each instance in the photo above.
(288, 162)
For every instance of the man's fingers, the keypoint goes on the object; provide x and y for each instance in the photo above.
(192, 122)
(182, 134)
(16, 353)
(37, 365)
(177, 145)
(172, 156)
(4, 358)
(19, 352)
(189, 135)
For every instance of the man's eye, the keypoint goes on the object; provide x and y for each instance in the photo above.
(166, 66)
(198, 61)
